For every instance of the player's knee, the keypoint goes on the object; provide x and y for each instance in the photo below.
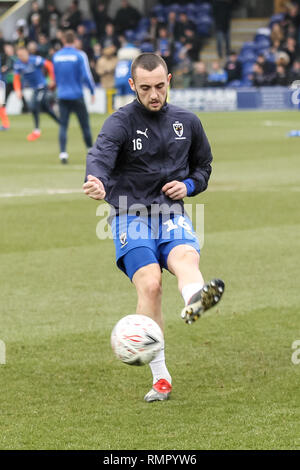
(151, 288)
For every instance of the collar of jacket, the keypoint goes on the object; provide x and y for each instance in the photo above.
(147, 111)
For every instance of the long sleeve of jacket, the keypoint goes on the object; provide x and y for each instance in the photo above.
(200, 158)
(101, 159)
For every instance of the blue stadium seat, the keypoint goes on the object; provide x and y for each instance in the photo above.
(247, 69)
(205, 8)
(130, 35)
(146, 47)
(276, 19)
(234, 84)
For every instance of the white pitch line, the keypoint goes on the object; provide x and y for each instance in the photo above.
(40, 192)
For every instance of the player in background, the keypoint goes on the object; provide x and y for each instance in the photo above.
(5, 124)
(28, 72)
(72, 72)
(155, 154)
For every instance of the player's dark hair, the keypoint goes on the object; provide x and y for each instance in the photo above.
(147, 61)
(69, 36)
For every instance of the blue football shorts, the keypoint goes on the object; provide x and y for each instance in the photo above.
(143, 240)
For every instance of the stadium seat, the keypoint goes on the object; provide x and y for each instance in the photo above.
(234, 84)
(247, 68)
(277, 18)
(147, 47)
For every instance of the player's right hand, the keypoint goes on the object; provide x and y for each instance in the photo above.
(94, 188)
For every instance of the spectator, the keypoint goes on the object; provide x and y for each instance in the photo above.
(21, 40)
(281, 77)
(217, 77)
(72, 17)
(35, 28)
(192, 43)
(172, 17)
(57, 43)
(110, 38)
(50, 20)
(153, 28)
(164, 46)
(32, 47)
(101, 19)
(182, 73)
(127, 17)
(43, 45)
(277, 33)
(269, 67)
(233, 67)
(290, 48)
(96, 51)
(85, 38)
(181, 25)
(106, 65)
(199, 75)
(258, 76)
(34, 10)
(222, 15)
(126, 54)
(7, 68)
(2, 42)
(295, 72)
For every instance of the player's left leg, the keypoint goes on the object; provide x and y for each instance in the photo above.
(45, 105)
(34, 107)
(183, 262)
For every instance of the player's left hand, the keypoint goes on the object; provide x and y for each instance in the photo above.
(93, 99)
(175, 190)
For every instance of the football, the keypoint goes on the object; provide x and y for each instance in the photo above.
(136, 339)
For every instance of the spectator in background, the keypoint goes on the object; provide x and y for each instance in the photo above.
(153, 28)
(127, 17)
(50, 20)
(72, 17)
(217, 77)
(181, 25)
(233, 67)
(199, 75)
(105, 67)
(281, 77)
(126, 54)
(290, 48)
(164, 46)
(269, 67)
(21, 39)
(35, 28)
(56, 43)
(96, 51)
(34, 10)
(85, 38)
(2, 42)
(109, 38)
(172, 18)
(295, 72)
(193, 43)
(101, 19)
(182, 72)
(258, 76)
(32, 47)
(8, 58)
(277, 33)
(222, 15)
(43, 45)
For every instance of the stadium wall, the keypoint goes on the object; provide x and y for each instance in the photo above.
(200, 99)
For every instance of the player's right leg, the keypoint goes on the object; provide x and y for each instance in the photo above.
(83, 118)
(34, 107)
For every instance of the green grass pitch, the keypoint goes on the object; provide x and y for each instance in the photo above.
(235, 385)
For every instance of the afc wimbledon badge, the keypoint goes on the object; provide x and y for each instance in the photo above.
(178, 128)
(123, 239)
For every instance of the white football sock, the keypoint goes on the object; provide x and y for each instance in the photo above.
(189, 290)
(158, 367)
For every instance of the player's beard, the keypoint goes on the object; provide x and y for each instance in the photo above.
(149, 109)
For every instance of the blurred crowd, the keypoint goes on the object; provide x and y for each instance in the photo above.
(178, 32)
